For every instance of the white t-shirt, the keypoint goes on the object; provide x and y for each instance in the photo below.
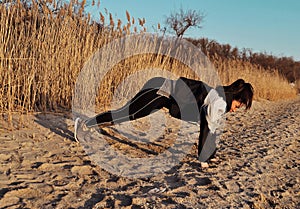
(215, 109)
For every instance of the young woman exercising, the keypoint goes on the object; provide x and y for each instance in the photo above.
(186, 99)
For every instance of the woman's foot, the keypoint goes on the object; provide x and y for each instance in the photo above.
(76, 127)
(79, 124)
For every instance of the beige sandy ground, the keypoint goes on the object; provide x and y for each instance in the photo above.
(258, 165)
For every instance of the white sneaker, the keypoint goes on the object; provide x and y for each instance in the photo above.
(76, 127)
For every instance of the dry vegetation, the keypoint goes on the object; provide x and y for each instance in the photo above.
(270, 85)
(42, 53)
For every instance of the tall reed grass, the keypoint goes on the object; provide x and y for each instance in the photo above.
(267, 84)
(41, 55)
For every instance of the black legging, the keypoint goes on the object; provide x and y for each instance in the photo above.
(142, 104)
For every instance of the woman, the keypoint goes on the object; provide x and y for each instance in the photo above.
(186, 99)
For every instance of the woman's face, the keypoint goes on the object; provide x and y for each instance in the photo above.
(235, 105)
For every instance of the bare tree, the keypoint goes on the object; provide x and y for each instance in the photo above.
(183, 20)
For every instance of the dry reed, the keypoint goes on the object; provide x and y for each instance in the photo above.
(267, 84)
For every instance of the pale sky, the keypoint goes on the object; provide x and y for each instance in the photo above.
(271, 26)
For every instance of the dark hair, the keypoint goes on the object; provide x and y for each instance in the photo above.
(240, 91)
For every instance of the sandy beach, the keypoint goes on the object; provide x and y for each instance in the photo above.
(257, 165)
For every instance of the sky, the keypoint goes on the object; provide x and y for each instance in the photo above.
(271, 26)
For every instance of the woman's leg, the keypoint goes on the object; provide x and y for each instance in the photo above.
(144, 103)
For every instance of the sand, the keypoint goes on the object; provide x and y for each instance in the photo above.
(256, 165)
